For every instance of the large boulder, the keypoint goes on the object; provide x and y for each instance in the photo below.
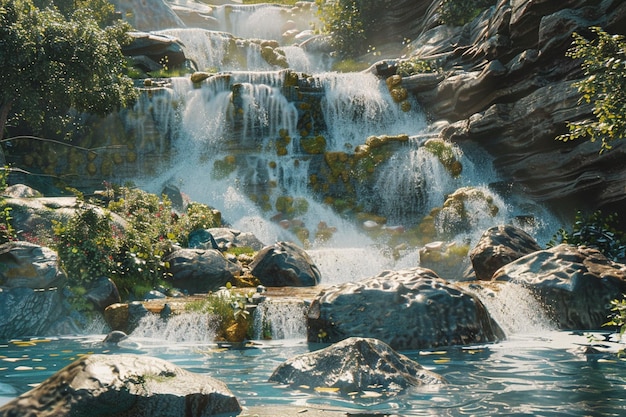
(31, 296)
(124, 385)
(29, 312)
(408, 309)
(200, 270)
(24, 264)
(285, 264)
(103, 293)
(575, 284)
(355, 365)
(499, 246)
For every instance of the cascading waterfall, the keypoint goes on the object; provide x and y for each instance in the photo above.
(180, 328)
(280, 319)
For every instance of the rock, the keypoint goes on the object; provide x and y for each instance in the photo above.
(199, 76)
(114, 337)
(408, 309)
(226, 237)
(30, 312)
(507, 79)
(202, 239)
(103, 293)
(575, 284)
(157, 48)
(284, 264)
(354, 365)
(28, 265)
(116, 316)
(499, 246)
(21, 191)
(155, 15)
(199, 270)
(124, 385)
(136, 312)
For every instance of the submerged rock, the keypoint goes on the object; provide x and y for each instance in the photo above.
(285, 264)
(575, 284)
(124, 385)
(353, 365)
(408, 309)
(499, 246)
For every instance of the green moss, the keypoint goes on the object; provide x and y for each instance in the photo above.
(445, 153)
(314, 146)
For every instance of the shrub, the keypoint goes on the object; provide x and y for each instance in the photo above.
(350, 23)
(7, 232)
(596, 231)
(604, 85)
(460, 12)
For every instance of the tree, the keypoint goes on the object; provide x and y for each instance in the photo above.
(604, 85)
(51, 64)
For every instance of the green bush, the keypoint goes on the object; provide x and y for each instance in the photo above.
(604, 85)
(91, 245)
(596, 231)
(460, 12)
(7, 232)
(350, 23)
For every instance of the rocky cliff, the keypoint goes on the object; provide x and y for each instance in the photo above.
(507, 84)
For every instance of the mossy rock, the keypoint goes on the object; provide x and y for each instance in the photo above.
(444, 151)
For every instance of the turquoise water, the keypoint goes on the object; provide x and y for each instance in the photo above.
(542, 374)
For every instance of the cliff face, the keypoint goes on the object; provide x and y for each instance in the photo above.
(508, 86)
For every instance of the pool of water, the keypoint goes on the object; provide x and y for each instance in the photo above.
(535, 374)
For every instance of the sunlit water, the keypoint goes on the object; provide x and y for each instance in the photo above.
(532, 374)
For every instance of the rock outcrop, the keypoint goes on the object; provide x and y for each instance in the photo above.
(31, 296)
(508, 85)
(408, 309)
(355, 365)
(124, 385)
(200, 270)
(499, 246)
(575, 284)
(285, 264)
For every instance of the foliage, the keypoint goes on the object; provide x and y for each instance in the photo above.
(460, 12)
(604, 85)
(414, 66)
(51, 64)
(596, 231)
(91, 245)
(228, 307)
(7, 232)
(618, 316)
(85, 244)
(351, 23)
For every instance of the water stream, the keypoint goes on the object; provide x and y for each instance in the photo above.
(229, 145)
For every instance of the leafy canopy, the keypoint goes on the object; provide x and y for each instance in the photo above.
(604, 86)
(52, 62)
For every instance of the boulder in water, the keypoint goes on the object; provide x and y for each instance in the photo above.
(575, 284)
(285, 264)
(407, 309)
(199, 270)
(354, 365)
(103, 293)
(499, 246)
(124, 385)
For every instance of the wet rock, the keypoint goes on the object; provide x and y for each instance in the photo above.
(103, 293)
(284, 264)
(226, 237)
(29, 265)
(408, 309)
(575, 284)
(353, 365)
(114, 337)
(499, 246)
(30, 312)
(199, 270)
(124, 385)
(157, 49)
(155, 15)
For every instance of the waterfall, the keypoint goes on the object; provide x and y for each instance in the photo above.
(513, 307)
(180, 328)
(280, 319)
